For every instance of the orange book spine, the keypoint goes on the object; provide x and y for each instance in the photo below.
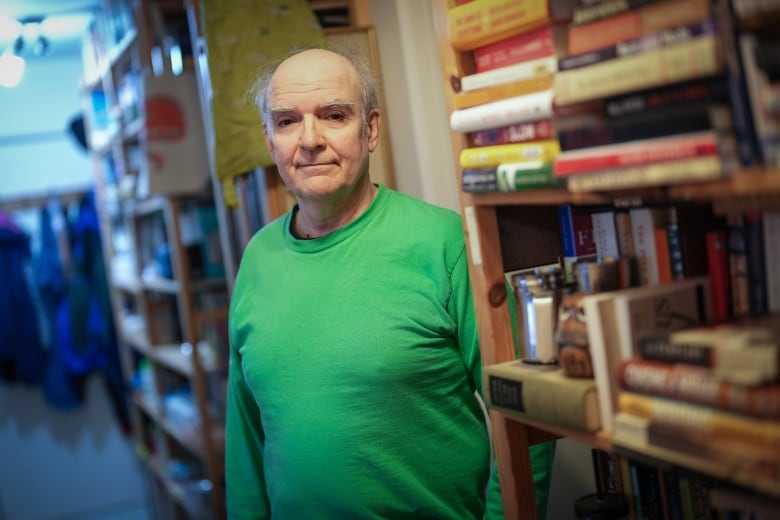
(499, 92)
(633, 24)
(662, 255)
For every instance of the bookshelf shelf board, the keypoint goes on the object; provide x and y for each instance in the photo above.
(126, 283)
(138, 339)
(545, 431)
(750, 182)
(171, 356)
(162, 285)
(174, 489)
(156, 415)
(536, 198)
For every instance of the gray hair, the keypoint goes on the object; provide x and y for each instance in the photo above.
(258, 91)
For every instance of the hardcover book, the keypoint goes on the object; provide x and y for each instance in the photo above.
(517, 133)
(542, 393)
(698, 385)
(520, 109)
(742, 354)
(482, 156)
(696, 58)
(633, 23)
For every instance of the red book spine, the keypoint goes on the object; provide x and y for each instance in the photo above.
(699, 386)
(516, 49)
(635, 155)
(517, 133)
(719, 274)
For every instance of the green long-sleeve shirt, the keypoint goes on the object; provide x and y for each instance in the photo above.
(354, 364)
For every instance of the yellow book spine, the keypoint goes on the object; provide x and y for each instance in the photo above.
(688, 60)
(499, 92)
(481, 22)
(486, 156)
(709, 424)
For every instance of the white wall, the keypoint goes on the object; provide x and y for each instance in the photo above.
(56, 465)
(422, 153)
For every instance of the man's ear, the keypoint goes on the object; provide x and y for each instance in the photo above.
(374, 121)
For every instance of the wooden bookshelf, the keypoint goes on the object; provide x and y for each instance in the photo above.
(749, 188)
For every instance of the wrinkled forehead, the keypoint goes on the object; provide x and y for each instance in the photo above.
(312, 73)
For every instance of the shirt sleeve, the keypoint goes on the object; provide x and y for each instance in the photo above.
(245, 484)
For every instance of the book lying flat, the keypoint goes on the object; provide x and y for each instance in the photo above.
(542, 393)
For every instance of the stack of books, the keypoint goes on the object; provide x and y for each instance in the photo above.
(708, 392)
(505, 106)
(666, 100)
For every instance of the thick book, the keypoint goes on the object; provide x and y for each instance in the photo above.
(708, 424)
(576, 232)
(542, 393)
(605, 235)
(700, 386)
(482, 156)
(653, 123)
(583, 14)
(644, 221)
(528, 46)
(515, 176)
(743, 354)
(758, 82)
(475, 24)
(518, 133)
(545, 66)
(633, 153)
(695, 58)
(756, 268)
(771, 256)
(614, 319)
(705, 168)
(713, 90)
(643, 43)
(503, 91)
(718, 272)
(632, 24)
(520, 109)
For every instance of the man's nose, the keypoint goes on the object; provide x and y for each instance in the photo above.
(311, 137)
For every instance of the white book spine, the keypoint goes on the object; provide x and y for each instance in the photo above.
(605, 235)
(519, 109)
(642, 226)
(503, 75)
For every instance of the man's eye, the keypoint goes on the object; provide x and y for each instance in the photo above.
(335, 116)
(283, 122)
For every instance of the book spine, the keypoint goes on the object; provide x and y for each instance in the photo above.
(479, 180)
(631, 24)
(605, 235)
(636, 153)
(590, 13)
(653, 124)
(699, 386)
(718, 272)
(738, 267)
(545, 66)
(756, 271)
(576, 230)
(528, 395)
(519, 133)
(662, 255)
(771, 255)
(625, 238)
(674, 238)
(642, 226)
(516, 176)
(710, 90)
(644, 43)
(475, 24)
(701, 420)
(670, 172)
(522, 47)
(520, 109)
(483, 156)
(696, 58)
(500, 92)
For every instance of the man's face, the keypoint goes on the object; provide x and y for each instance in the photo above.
(317, 136)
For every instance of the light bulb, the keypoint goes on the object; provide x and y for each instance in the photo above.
(11, 69)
